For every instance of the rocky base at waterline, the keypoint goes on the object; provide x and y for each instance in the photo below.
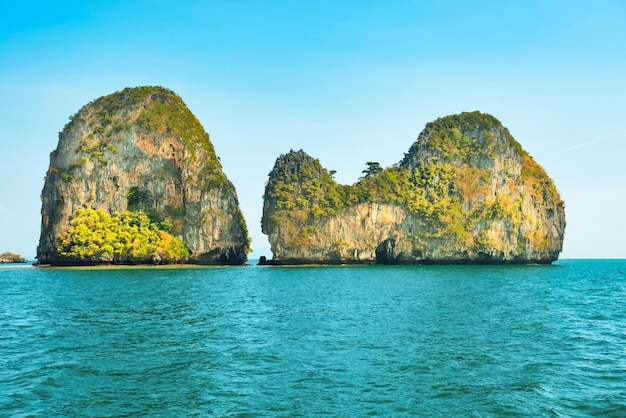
(135, 180)
(398, 261)
(465, 193)
(9, 257)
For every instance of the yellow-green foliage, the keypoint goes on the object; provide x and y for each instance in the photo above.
(535, 177)
(95, 235)
(301, 187)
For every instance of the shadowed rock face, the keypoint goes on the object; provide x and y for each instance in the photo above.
(141, 149)
(466, 192)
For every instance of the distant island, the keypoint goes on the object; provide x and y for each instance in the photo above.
(465, 193)
(135, 180)
(9, 257)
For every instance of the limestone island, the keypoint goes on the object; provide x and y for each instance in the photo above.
(465, 193)
(9, 257)
(135, 180)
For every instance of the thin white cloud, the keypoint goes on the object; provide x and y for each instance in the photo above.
(599, 139)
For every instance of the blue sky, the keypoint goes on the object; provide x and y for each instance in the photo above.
(347, 81)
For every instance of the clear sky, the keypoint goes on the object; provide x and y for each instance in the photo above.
(347, 81)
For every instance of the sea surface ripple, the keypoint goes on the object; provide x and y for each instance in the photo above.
(480, 341)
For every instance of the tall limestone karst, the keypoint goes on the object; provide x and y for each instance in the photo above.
(466, 192)
(133, 174)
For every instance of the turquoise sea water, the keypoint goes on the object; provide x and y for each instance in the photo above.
(302, 341)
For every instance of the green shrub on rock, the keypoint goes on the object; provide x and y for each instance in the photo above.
(96, 236)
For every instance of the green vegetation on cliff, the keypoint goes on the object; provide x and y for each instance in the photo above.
(302, 188)
(447, 179)
(169, 218)
(145, 110)
(303, 191)
(94, 235)
(156, 109)
(468, 137)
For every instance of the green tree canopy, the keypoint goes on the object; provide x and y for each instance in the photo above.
(372, 168)
(94, 235)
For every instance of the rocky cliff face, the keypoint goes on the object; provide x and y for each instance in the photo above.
(466, 192)
(141, 149)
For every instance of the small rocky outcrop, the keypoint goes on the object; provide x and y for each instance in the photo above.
(466, 192)
(134, 174)
(9, 257)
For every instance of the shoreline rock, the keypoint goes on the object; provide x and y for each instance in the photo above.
(10, 257)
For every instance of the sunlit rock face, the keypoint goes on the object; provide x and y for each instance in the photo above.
(466, 192)
(142, 149)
